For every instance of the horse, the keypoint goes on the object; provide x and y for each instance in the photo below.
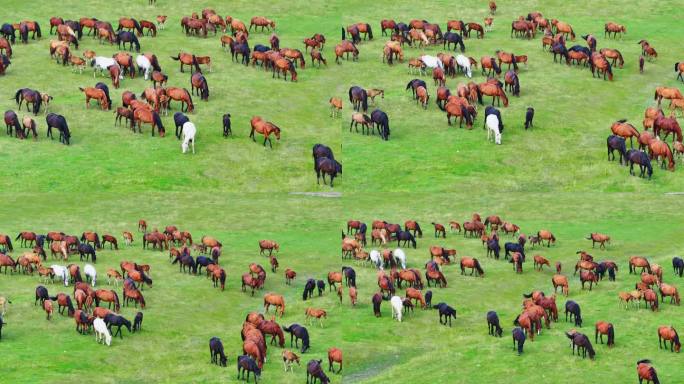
(559, 280)
(519, 338)
(397, 306)
(642, 159)
(512, 82)
(246, 363)
(615, 143)
(669, 333)
(346, 47)
(12, 121)
(124, 37)
(358, 97)
(298, 332)
(493, 324)
(31, 97)
(614, 28)
(546, 235)
(106, 295)
(613, 54)
(218, 357)
(315, 371)
(276, 300)
(182, 95)
(581, 341)
(118, 321)
(101, 332)
(645, 371)
(188, 132)
(667, 93)
(446, 312)
(265, 128)
(97, 94)
(599, 64)
(574, 310)
(473, 264)
(54, 120)
(493, 130)
(668, 125)
(381, 120)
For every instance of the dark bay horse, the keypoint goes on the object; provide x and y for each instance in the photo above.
(59, 122)
(31, 96)
(199, 82)
(359, 98)
(327, 166)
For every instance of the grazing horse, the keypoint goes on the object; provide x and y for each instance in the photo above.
(623, 129)
(615, 143)
(473, 264)
(645, 371)
(493, 324)
(560, 281)
(642, 159)
(346, 47)
(660, 149)
(316, 372)
(328, 166)
(669, 333)
(519, 338)
(358, 97)
(512, 83)
(143, 115)
(54, 120)
(298, 332)
(12, 121)
(546, 235)
(574, 310)
(599, 64)
(31, 97)
(182, 95)
(581, 341)
(97, 94)
(446, 312)
(668, 125)
(667, 93)
(493, 89)
(614, 28)
(187, 59)
(276, 300)
(265, 128)
(284, 66)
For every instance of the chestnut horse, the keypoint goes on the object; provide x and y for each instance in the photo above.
(97, 94)
(666, 334)
(495, 90)
(265, 128)
(143, 115)
(669, 125)
(645, 371)
(346, 47)
(276, 300)
(560, 281)
(284, 66)
(660, 149)
(624, 129)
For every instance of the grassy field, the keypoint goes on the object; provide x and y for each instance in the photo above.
(185, 311)
(553, 177)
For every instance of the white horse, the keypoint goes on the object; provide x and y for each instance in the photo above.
(432, 62)
(397, 307)
(62, 273)
(464, 63)
(400, 256)
(102, 63)
(376, 259)
(101, 332)
(91, 273)
(189, 132)
(493, 127)
(144, 64)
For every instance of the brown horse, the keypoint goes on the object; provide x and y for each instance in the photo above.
(478, 28)
(259, 21)
(540, 261)
(560, 281)
(387, 24)
(669, 290)
(316, 313)
(669, 125)
(187, 59)
(265, 128)
(667, 93)
(647, 50)
(645, 371)
(666, 334)
(473, 264)
(6, 46)
(346, 47)
(144, 115)
(625, 130)
(276, 300)
(599, 64)
(661, 150)
(507, 58)
(495, 90)
(115, 75)
(546, 235)
(97, 94)
(605, 328)
(639, 262)
(182, 95)
(613, 54)
(268, 245)
(614, 28)
(284, 66)
(564, 28)
(109, 296)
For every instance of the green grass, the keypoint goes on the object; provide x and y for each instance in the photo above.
(554, 177)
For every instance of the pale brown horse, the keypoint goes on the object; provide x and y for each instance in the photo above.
(97, 94)
(284, 66)
(639, 262)
(564, 28)
(276, 300)
(625, 130)
(260, 21)
(495, 90)
(613, 54)
(660, 149)
(265, 128)
(669, 290)
(560, 281)
(108, 296)
(605, 328)
(667, 93)
(647, 50)
(346, 47)
(614, 28)
(600, 238)
(473, 264)
(666, 334)
(540, 261)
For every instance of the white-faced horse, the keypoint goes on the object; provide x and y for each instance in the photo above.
(397, 307)
(189, 132)
(91, 273)
(62, 273)
(493, 128)
(102, 63)
(464, 63)
(432, 62)
(400, 256)
(144, 65)
(376, 259)
(101, 332)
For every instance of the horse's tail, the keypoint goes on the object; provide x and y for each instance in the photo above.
(655, 97)
(175, 58)
(137, 26)
(611, 334)
(479, 95)
(572, 34)
(16, 95)
(157, 121)
(514, 61)
(461, 45)
(350, 94)
(407, 86)
(344, 34)
(496, 67)
(370, 32)
(478, 267)
(516, 321)
(676, 67)
(420, 231)
(364, 102)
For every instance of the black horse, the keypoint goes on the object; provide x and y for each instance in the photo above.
(327, 166)
(519, 337)
(453, 38)
(514, 247)
(226, 125)
(380, 119)
(298, 332)
(7, 30)
(218, 357)
(559, 49)
(320, 285)
(349, 276)
(87, 250)
(59, 122)
(493, 248)
(261, 48)
(493, 324)
(678, 266)
(203, 261)
(137, 322)
(105, 89)
(529, 116)
(124, 37)
(41, 294)
(240, 49)
(185, 261)
(320, 150)
(428, 299)
(406, 237)
(574, 310)
(581, 341)
(642, 159)
(616, 143)
(402, 28)
(118, 321)
(12, 121)
(491, 110)
(359, 98)
(414, 84)
(309, 289)
(179, 118)
(246, 363)
(446, 311)
(314, 369)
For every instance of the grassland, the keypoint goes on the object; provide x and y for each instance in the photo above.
(554, 177)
